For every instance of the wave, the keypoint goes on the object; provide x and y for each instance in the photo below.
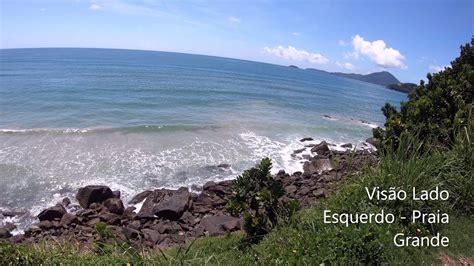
(104, 130)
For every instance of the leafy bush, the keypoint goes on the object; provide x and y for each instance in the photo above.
(437, 109)
(256, 196)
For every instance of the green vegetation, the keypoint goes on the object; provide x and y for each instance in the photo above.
(256, 195)
(403, 87)
(427, 144)
(437, 110)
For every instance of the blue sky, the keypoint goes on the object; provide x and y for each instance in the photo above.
(407, 38)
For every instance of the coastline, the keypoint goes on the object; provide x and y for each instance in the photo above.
(187, 214)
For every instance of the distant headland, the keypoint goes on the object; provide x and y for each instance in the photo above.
(383, 78)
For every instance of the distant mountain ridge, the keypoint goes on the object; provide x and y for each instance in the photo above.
(383, 78)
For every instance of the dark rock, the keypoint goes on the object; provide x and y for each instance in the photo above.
(202, 204)
(4, 233)
(45, 225)
(195, 187)
(217, 201)
(151, 235)
(114, 205)
(136, 224)
(95, 206)
(224, 165)
(65, 202)
(209, 185)
(321, 148)
(328, 177)
(12, 213)
(69, 218)
(320, 193)
(131, 234)
(117, 232)
(290, 189)
(173, 207)
(16, 239)
(172, 228)
(303, 191)
(92, 222)
(299, 151)
(372, 141)
(52, 213)
(222, 188)
(9, 226)
(165, 203)
(91, 194)
(116, 194)
(164, 243)
(33, 230)
(110, 218)
(218, 225)
(317, 166)
(86, 213)
(129, 211)
(188, 218)
(347, 145)
(306, 139)
(281, 174)
(140, 197)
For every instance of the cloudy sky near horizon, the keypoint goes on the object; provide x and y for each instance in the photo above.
(407, 38)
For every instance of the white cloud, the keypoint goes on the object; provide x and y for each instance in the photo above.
(378, 52)
(342, 43)
(42, 9)
(95, 7)
(345, 65)
(296, 33)
(353, 55)
(436, 69)
(234, 19)
(291, 53)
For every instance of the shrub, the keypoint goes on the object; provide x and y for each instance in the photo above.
(437, 109)
(256, 196)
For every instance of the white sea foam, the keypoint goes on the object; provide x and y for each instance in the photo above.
(54, 167)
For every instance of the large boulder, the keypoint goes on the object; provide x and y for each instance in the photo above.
(318, 165)
(52, 213)
(151, 235)
(68, 219)
(4, 233)
(221, 189)
(91, 194)
(140, 197)
(165, 203)
(321, 148)
(114, 205)
(6, 229)
(218, 225)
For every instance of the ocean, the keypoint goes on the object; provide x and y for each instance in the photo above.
(139, 120)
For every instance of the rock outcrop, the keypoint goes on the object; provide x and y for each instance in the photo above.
(169, 217)
(93, 194)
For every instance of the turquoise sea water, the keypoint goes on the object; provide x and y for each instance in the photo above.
(137, 120)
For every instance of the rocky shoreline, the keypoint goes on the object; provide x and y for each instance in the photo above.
(170, 217)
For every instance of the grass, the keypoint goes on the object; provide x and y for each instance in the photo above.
(306, 239)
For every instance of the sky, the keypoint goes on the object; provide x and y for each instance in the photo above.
(408, 38)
